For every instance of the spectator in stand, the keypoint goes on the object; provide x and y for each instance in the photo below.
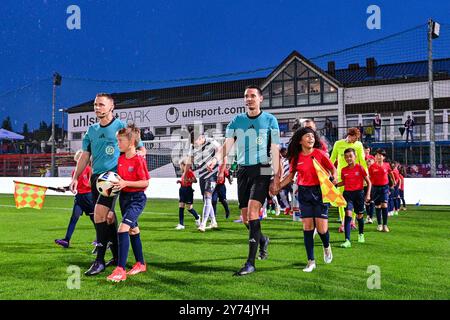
(409, 127)
(361, 130)
(368, 131)
(48, 171)
(377, 126)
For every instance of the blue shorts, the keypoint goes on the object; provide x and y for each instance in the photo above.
(220, 193)
(132, 204)
(380, 194)
(84, 203)
(394, 192)
(208, 184)
(355, 201)
(310, 202)
(186, 195)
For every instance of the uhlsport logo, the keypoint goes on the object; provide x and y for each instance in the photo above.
(172, 114)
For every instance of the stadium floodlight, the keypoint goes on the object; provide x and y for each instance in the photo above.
(435, 30)
(62, 124)
(433, 33)
(56, 82)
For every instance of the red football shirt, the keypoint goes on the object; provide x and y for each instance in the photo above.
(84, 184)
(379, 174)
(133, 169)
(189, 175)
(402, 182)
(353, 178)
(396, 176)
(306, 173)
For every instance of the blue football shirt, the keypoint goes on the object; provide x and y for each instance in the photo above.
(253, 136)
(101, 142)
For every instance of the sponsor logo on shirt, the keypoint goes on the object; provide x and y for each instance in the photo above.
(130, 169)
(102, 136)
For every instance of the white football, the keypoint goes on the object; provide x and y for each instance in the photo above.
(105, 184)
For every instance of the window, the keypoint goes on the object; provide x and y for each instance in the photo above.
(209, 128)
(302, 92)
(438, 124)
(173, 129)
(160, 131)
(296, 85)
(277, 94)
(289, 72)
(314, 91)
(77, 135)
(352, 123)
(266, 96)
(289, 97)
(329, 93)
(301, 70)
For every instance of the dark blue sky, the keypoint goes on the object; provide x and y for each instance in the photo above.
(162, 40)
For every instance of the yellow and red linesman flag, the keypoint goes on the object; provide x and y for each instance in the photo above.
(330, 194)
(29, 195)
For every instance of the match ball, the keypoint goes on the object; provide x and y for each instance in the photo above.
(105, 184)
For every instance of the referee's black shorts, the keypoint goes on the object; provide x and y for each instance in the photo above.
(109, 202)
(253, 183)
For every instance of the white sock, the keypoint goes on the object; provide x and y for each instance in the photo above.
(206, 205)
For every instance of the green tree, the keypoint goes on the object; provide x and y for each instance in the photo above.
(25, 130)
(7, 124)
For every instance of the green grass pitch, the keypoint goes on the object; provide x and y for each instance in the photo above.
(413, 258)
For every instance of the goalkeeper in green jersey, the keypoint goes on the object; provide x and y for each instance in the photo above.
(351, 141)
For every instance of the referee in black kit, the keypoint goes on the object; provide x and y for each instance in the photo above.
(257, 136)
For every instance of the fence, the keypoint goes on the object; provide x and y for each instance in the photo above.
(31, 165)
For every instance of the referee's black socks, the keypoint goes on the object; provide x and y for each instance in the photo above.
(262, 238)
(254, 239)
(102, 238)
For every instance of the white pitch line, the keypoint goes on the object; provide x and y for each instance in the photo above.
(150, 212)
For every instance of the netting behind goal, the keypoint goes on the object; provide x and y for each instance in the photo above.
(163, 156)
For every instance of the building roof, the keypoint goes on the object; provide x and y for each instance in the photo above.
(296, 55)
(173, 95)
(394, 73)
(353, 76)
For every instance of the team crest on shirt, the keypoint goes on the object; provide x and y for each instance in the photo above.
(259, 140)
(109, 150)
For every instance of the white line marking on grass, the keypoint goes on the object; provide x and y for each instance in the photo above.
(151, 212)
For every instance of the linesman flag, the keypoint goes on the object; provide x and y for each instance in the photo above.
(29, 195)
(330, 194)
